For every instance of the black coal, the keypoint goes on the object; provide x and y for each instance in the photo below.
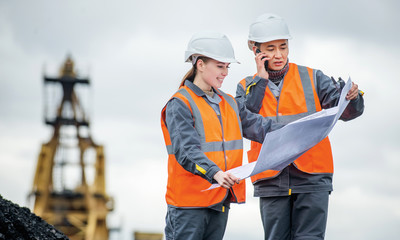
(20, 224)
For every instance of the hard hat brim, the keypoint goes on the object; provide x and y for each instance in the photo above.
(189, 54)
(250, 43)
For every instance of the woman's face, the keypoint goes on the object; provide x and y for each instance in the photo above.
(277, 51)
(212, 72)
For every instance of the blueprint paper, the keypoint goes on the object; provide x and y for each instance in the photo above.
(241, 172)
(283, 146)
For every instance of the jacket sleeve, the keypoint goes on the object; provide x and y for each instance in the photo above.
(329, 91)
(186, 141)
(254, 126)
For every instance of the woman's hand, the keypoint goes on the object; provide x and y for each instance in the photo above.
(260, 62)
(226, 180)
(353, 92)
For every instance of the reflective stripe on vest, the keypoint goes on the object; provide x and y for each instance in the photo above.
(319, 158)
(212, 146)
(308, 94)
(185, 189)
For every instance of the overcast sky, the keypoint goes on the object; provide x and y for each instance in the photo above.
(133, 52)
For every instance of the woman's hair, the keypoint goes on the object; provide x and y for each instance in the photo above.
(193, 71)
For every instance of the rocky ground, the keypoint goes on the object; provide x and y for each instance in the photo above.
(20, 224)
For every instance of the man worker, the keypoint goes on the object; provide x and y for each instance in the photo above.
(294, 201)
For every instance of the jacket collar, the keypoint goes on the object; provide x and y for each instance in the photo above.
(197, 90)
(215, 99)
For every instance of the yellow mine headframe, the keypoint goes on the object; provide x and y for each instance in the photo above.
(69, 184)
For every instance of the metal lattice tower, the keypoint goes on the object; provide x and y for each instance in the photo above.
(69, 184)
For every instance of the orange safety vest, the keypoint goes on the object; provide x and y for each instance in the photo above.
(222, 144)
(298, 98)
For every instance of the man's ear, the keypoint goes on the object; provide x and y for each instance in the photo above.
(255, 49)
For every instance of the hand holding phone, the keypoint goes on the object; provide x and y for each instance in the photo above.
(266, 62)
(261, 68)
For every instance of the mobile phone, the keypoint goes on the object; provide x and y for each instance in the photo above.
(266, 62)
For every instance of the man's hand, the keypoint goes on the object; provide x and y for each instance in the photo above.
(353, 93)
(260, 60)
(226, 180)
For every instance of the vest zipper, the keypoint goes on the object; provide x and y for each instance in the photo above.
(278, 100)
(277, 108)
(223, 140)
(223, 149)
(234, 195)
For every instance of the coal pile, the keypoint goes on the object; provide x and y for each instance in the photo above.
(20, 224)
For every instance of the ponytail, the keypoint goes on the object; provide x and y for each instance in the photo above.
(193, 71)
(189, 76)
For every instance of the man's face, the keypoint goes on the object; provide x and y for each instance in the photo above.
(277, 51)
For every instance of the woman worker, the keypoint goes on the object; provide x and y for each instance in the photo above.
(202, 129)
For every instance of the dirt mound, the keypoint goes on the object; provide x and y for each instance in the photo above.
(20, 224)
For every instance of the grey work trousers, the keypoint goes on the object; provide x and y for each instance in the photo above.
(195, 224)
(300, 216)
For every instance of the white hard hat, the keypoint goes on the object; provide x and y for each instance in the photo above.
(210, 44)
(267, 27)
